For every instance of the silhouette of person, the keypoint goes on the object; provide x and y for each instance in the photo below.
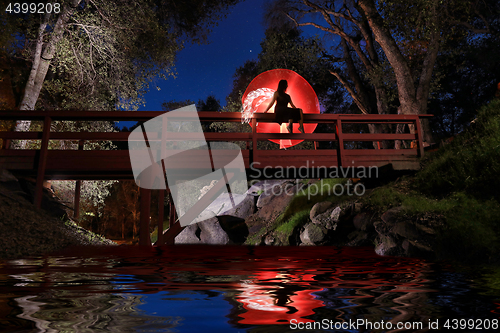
(282, 112)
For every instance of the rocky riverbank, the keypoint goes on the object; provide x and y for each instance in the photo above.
(27, 231)
(286, 213)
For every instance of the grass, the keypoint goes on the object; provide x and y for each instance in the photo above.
(286, 229)
(470, 163)
(154, 234)
(460, 182)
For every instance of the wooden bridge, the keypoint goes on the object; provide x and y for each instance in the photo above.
(80, 164)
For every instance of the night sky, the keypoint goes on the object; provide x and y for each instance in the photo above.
(208, 69)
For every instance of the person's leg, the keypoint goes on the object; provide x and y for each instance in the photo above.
(301, 121)
(290, 126)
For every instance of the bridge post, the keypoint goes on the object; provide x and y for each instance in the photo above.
(144, 237)
(76, 203)
(174, 227)
(340, 139)
(42, 162)
(78, 187)
(161, 211)
(254, 140)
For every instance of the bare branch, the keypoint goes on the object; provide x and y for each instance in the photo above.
(351, 92)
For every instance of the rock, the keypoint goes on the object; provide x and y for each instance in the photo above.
(416, 249)
(362, 221)
(275, 204)
(269, 240)
(223, 205)
(357, 207)
(406, 230)
(319, 208)
(325, 220)
(235, 228)
(386, 246)
(335, 215)
(313, 234)
(268, 189)
(189, 235)
(244, 209)
(425, 229)
(358, 238)
(392, 215)
(212, 233)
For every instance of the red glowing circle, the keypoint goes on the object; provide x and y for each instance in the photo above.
(301, 92)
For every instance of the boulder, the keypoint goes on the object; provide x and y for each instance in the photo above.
(335, 215)
(362, 221)
(190, 235)
(235, 228)
(406, 229)
(213, 233)
(386, 246)
(313, 234)
(325, 220)
(358, 238)
(415, 248)
(319, 208)
(275, 203)
(269, 240)
(392, 215)
(223, 205)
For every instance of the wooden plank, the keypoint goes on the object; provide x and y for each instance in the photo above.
(377, 137)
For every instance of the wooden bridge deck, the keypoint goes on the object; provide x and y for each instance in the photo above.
(82, 164)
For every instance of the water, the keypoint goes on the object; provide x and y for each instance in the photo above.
(236, 289)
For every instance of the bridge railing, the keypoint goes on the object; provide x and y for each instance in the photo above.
(341, 156)
(335, 120)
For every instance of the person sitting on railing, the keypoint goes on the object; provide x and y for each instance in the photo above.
(282, 112)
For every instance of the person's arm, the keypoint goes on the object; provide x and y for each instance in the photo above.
(291, 103)
(271, 103)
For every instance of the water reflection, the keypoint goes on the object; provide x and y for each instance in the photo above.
(224, 289)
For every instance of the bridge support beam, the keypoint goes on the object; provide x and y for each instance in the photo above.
(161, 211)
(42, 162)
(144, 237)
(76, 202)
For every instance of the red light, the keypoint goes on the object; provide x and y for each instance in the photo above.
(301, 92)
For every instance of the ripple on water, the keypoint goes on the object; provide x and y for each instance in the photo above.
(226, 289)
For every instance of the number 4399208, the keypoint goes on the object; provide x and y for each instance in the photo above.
(33, 8)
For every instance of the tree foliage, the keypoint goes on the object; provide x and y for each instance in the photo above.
(102, 54)
(392, 38)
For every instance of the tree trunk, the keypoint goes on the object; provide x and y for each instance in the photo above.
(413, 100)
(41, 63)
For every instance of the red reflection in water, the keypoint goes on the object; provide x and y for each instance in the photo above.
(271, 304)
(267, 285)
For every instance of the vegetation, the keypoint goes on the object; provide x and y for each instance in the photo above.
(471, 163)
(392, 45)
(460, 183)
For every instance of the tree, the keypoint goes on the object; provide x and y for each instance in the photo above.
(390, 32)
(209, 104)
(173, 105)
(102, 54)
